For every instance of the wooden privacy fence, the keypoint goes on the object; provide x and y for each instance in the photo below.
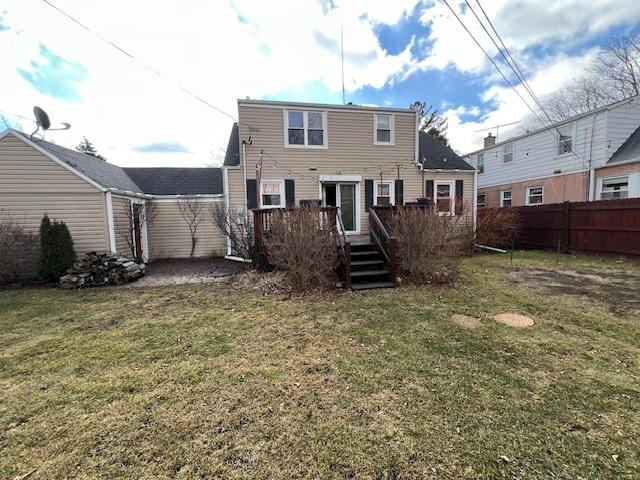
(605, 226)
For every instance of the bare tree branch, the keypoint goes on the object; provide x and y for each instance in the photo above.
(237, 228)
(124, 222)
(191, 210)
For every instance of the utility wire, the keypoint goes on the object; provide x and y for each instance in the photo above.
(512, 64)
(147, 66)
(535, 114)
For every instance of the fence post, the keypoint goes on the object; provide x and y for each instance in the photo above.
(565, 226)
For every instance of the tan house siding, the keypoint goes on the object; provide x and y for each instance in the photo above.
(31, 184)
(571, 188)
(351, 152)
(169, 235)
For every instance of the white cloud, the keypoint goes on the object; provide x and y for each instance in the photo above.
(200, 45)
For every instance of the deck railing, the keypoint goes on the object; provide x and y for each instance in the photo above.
(381, 238)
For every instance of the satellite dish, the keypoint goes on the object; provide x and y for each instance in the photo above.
(42, 119)
(43, 122)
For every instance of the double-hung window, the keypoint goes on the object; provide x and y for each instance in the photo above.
(444, 198)
(383, 129)
(535, 195)
(384, 193)
(613, 188)
(565, 139)
(507, 153)
(272, 193)
(481, 163)
(505, 198)
(305, 129)
(481, 200)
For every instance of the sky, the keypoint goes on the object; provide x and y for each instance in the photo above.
(222, 50)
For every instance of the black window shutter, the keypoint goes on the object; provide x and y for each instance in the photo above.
(290, 193)
(399, 188)
(368, 194)
(429, 191)
(459, 197)
(252, 195)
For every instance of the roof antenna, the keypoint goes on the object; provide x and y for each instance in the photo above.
(42, 121)
(344, 102)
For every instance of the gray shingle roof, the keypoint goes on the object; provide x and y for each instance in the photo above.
(439, 156)
(178, 181)
(232, 156)
(629, 150)
(101, 172)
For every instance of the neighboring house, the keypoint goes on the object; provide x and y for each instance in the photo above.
(593, 156)
(94, 198)
(282, 153)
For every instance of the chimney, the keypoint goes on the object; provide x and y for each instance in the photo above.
(489, 140)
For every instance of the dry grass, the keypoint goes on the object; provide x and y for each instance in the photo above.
(207, 381)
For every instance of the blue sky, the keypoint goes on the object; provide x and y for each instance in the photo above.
(395, 53)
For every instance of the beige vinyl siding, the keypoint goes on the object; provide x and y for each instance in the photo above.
(351, 152)
(31, 184)
(169, 235)
(121, 223)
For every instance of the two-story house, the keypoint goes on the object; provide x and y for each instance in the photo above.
(282, 153)
(593, 156)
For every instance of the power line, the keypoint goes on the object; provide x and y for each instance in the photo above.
(547, 128)
(147, 66)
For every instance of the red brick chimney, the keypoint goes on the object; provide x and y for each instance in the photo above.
(489, 140)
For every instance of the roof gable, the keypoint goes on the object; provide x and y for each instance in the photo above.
(232, 155)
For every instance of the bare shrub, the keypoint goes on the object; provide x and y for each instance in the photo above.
(237, 228)
(20, 250)
(192, 211)
(497, 227)
(304, 247)
(429, 243)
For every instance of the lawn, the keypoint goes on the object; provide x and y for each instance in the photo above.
(210, 381)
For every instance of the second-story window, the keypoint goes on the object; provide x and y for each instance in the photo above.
(481, 163)
(565, 139)
(507, 153)
(305, 129)
(383, 129)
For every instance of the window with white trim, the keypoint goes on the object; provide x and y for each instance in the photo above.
(535, 195)
(305, 129)
(507, 153)
(272, 193)
(505, 198)
(480, 163)
(383, 129)
(614, 188)
(444, 198)
(384, 193)
(481, 200)
(565, 139)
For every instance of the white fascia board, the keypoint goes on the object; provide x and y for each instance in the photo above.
(55, 159)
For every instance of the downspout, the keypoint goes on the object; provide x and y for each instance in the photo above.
(591, 179)
(475, 199)
(244, 174)
(110, 222)
(227, 205)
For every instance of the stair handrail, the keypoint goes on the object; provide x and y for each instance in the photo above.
(345, 249)
(387, 243)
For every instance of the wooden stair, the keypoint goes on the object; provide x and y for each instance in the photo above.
(368, 268)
